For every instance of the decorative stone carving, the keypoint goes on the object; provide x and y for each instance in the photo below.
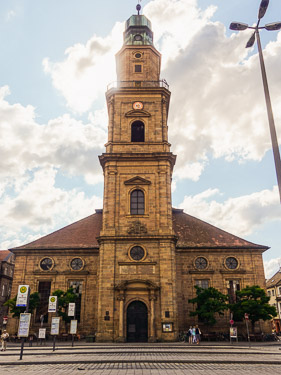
(137, 228)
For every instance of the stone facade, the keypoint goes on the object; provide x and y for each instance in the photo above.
(7, 262)
(273, 286)
(135, 263)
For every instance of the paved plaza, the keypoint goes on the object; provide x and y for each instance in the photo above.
(143, 359)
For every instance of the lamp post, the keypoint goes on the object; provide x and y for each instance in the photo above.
(239, 26)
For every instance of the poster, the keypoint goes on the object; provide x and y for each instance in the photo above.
(55, 327)
(73, 327)
(24, 324)
(71, 309)
(23, 294)
(52, 304)
(42, 333)
(167, 327)
(233, 332)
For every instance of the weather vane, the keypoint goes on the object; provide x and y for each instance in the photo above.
(139, 7)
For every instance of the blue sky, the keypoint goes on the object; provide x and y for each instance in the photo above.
(57, 58)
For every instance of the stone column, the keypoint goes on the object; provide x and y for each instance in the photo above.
(152, 298)
(121, 300)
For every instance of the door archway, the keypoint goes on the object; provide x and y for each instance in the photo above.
(137, 326)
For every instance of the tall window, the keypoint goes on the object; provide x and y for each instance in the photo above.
(44, 289)
(137, 202)
(204, 284)
(232, 287)
(137, 131)
(77, 288)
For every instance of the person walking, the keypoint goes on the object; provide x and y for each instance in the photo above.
(193, 335)
(197, 335)
(4, 339)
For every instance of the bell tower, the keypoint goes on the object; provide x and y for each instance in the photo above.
(137, 242)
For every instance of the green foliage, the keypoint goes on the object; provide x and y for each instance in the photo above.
(64, 298)
(253, 301)
(34, 301)
(209, 301)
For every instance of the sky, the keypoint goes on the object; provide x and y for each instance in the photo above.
(56, 60)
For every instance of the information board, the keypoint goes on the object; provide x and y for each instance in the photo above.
(55, 328)
(233, 332)
(71, 309)
(24, 324)
(73, 327)
(42, 333)
(52, 304)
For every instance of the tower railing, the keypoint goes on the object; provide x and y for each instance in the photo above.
(138, 84)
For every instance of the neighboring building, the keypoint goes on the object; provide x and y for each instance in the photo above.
(7, 264)
(135, 263)
(273, 286)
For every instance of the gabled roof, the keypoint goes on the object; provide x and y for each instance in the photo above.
(195, 233)
(5, 255)
(191, 233)
(274, 280)
(81, 234)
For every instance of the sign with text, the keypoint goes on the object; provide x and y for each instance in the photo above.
(73, 327)
(233, 332)
(24, 325)
(71, 309)
(53, 304)
(23, 294)
(42, 333)
(55, 327)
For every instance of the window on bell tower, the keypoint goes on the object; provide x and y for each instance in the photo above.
(137, 202)
(137, 131)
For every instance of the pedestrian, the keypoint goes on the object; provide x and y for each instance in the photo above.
(193, 335)
(190, 335)
(4, 339)
(197, 334)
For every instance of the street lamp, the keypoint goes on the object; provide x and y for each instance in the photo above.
(239, 26)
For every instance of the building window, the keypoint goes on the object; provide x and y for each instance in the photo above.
(232, 287)
(44, 290)
(273, 293)
(46, 264)
(137, 253)
(137, 202)
(137, 131)
(269, 293)
(77, 288)
(77, 264)
(138, 68)
(201, 263)
(279, 291)
(204, 284)
(137, 55)
(231, 263)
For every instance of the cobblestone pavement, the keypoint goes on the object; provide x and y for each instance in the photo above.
(143, 360)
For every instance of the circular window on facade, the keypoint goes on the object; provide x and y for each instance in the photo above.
(76, 264)
(46, 264)
(231, 263)
(137, 55)
(137, 253)
(201, 263)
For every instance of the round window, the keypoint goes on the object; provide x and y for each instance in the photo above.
(201, 263)
(138, 55)
(231, 263)
(137, 253)
(46, 264)
(76, 264)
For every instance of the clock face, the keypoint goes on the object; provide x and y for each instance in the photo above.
(137, 253)
(231, 263)
(201, 263)
(137, 37)
(76, 264)
(138, 105)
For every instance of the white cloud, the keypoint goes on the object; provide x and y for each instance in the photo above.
(271, 267)
(240, 216)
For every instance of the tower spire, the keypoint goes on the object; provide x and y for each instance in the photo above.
(138, 7)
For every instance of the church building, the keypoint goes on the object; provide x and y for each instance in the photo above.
(134, 263)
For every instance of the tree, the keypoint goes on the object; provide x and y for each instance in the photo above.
(253, 301)
(64, 298)
(209, 301)
(34, 301)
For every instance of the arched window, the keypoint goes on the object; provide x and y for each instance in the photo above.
(137, 131)
(137, 202)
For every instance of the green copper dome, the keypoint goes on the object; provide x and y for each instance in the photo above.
(138, 31)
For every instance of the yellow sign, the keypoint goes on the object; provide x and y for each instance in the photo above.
(23, 289)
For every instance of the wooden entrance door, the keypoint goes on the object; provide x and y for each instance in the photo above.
(137, 329)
